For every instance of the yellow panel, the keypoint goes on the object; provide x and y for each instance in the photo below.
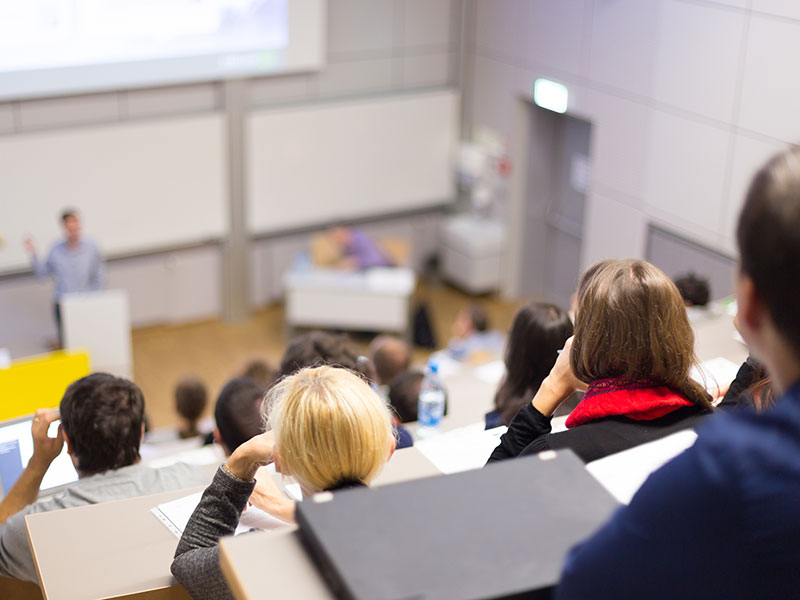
(39, 382)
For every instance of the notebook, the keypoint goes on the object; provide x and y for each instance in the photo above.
(498, 532)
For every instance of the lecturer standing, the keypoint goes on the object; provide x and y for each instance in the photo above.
(74, 263)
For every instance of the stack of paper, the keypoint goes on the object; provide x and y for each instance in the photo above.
(461, 449)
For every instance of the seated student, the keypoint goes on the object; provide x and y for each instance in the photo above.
(237, 413)
(404, 399)
(721, 520)
(634, 347)
(329, 430)
(473, 339)
(694, 290)
(102, 425)
(261, 371)
(317, 348)
(190, 402)
(357, 250)
(391, 356)
(538, 333)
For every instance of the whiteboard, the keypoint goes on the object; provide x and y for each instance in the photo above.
(332, 162)
(138, 186)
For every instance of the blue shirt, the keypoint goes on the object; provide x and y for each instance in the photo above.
(77, 269)
(722, 520)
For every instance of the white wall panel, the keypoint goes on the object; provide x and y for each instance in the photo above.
(273, 90)
(426, 70)
(554, 33)
(623, 43)
(358, 76)
(139, 185)
(318, 163)
(781, 8)
(170, 100)
(6, 118)
(619, 142)
(501, 26)
(360, 25)
(686, 171)
(749, 155)
(771, 88)
(697, 59)
(426, 22)
(612, 229)
(60, 112)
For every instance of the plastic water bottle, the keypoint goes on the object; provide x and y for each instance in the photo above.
(431, 402)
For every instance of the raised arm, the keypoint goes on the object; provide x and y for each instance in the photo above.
(25, 490)
(196, 562)
(40, 269)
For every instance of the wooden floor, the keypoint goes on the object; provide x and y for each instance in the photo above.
(215, 350)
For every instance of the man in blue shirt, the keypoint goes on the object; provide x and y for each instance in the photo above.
(74, 263)
(722, 520)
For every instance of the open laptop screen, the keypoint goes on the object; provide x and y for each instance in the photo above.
(16, 449)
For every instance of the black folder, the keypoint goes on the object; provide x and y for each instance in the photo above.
(498, 532)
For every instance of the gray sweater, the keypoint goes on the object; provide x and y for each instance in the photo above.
(196, 563)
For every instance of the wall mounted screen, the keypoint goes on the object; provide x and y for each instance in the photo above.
(50, 47)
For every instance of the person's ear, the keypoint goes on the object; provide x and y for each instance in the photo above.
(276, 458)
(750, 309)
(68, 443)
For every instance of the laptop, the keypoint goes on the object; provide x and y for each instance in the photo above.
(498, 532)
(16, 449)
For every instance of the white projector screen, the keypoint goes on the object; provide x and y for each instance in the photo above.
(50, 47)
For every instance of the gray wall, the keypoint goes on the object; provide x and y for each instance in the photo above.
(686, 98)
(375, 47)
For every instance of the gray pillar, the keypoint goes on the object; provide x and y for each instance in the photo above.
(236, 247)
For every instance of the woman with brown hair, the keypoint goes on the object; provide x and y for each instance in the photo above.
(632, 352)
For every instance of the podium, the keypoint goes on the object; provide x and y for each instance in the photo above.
(100, 323)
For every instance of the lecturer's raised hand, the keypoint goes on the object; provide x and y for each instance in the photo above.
(45, 448)
(29, 246)
(250, 456)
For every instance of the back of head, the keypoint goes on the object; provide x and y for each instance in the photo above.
(102, 415)
(391, 356)
(478, 317)
(631, 324)
(769, 241)
(538, 332)
(260, 370)
(238, 411)
(404, 395)
(330, 428)
(190, 398)
(694, 290)
(321, 348)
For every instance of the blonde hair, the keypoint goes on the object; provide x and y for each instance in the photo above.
(330, 427)
(631, 324)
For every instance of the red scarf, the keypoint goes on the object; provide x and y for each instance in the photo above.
(640, 400)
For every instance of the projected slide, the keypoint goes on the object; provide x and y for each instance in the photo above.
(61, 45)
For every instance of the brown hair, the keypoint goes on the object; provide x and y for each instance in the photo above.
(631, 324)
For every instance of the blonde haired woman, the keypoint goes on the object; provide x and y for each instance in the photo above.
(632, 352)
(328, 429)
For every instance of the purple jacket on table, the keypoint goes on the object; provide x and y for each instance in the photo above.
(366, 251)
(722, 520)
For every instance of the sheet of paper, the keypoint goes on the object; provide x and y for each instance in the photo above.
(716, 375)
(491, 372)
(175, 515)
(625, 472)
(461, 449)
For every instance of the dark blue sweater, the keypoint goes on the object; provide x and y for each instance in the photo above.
(722, 520)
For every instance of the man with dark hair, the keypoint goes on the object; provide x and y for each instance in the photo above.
(102, 423)
(191, 398)
(404, 395)
(321, 348)
(722, 520)
(391, 356)
(694, 290)
(74, 263)
(238, 413)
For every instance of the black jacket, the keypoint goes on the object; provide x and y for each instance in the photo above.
(529, 433)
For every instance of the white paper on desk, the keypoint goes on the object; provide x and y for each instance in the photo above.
(461, 449)
(623, 473)
(175, 515)
(491, 372)
(715, 374)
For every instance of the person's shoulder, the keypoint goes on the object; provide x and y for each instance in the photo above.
(180, 474)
